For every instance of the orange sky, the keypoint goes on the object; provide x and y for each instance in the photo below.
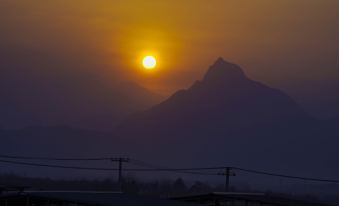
(273, 40)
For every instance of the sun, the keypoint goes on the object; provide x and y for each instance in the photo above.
(149, 62)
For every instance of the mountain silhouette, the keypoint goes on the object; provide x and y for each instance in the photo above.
(222, 71)
(226, 97)
(228, 118)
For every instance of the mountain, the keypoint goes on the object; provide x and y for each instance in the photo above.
(227, 118)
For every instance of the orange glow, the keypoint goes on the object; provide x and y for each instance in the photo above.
(117, 35)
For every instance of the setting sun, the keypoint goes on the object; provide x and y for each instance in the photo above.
(149, 62)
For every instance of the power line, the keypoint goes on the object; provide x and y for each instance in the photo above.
(56, 158)
(185, 171)
(286, 176)
(162, 168)
(150, 167)
(86, 168)
(153, 167)
(57, 166)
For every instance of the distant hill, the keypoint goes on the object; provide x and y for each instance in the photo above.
(53, 141)
(227, 118)
(85, 103)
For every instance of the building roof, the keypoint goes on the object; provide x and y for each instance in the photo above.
(260, 198)
(95, 198)
(100, 198)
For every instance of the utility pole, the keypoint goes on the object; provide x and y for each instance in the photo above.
(120, 160)
(227, 173)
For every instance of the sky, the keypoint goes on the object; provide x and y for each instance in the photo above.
(288, 44)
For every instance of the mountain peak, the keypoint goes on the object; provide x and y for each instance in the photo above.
(220, 60)
(222, 70)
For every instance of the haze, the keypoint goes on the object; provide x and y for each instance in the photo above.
(289, 44)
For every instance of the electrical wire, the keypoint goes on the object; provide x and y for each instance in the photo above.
(286, 176)
(162, 168)
(56, 166)
(56, 158)
(149, 167)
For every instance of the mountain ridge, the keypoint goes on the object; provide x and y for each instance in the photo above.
(223, 86)
(226, 108)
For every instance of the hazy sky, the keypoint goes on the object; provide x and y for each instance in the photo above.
(290, 44)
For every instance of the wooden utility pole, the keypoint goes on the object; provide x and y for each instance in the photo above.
(227, 173)
(120, 160)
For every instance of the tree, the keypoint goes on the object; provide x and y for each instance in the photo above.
(179, 187)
